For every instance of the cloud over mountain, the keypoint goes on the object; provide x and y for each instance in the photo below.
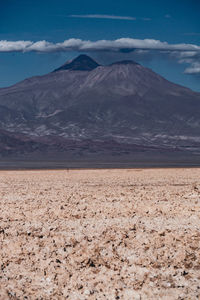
(185, 53)
(87, 45)
(193, 69)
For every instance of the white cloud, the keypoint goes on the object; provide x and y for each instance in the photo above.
(184, 53)
(193, 69)
(96, 16)
(42, 46)
(189, 57)
(9, 46)
(86, 45)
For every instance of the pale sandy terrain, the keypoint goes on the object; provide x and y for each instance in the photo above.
(100, 234)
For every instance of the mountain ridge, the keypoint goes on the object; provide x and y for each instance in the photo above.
(123, 102)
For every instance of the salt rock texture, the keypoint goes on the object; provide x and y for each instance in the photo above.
(100, 234)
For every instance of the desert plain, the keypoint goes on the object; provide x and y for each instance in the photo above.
(100, 234)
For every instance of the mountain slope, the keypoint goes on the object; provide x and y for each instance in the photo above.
(123, 102)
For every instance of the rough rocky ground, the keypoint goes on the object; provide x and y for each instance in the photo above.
(100, 234)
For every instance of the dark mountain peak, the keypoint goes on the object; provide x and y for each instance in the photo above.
(124, 62)
(81, 63)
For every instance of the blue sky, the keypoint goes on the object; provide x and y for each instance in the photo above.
(137, 24)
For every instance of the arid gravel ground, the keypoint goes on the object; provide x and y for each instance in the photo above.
(100, 234)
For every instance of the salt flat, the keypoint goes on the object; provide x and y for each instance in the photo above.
(100, 234)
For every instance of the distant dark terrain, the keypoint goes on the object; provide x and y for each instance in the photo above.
(83, 115)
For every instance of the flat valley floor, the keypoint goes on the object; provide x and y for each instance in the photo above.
(100, 234)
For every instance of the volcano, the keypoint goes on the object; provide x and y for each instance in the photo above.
(81, 63)
(84, 109)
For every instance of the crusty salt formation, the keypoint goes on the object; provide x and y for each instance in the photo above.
(100, 234)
